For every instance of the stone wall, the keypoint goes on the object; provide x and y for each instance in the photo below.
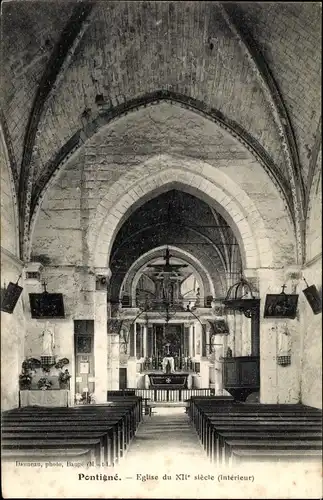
(12, 325)
(311, 375)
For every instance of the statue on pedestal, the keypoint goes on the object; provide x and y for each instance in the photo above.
(48, 341)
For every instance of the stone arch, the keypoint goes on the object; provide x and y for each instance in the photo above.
(314, 215)
(131, 279)
(257, 237)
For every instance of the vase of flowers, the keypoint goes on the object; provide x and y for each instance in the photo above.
(44, 384)
(64, 379)
(25, 379)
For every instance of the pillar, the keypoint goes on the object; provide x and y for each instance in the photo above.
(132, 361)
(145, 340)
(278, 384)
(101, 335)
(113, 355)
(150, 341)
(246, 324)
(218, 365)
(186, 343)
(13, 328)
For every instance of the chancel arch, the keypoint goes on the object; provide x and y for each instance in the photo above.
(254, 233)
(131, 278)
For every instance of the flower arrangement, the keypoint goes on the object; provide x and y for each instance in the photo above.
(78, 398)
(92, 398)
(62, 362)
(64, 378)
(25, 379)
(44, 383)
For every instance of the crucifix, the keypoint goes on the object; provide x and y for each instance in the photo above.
(283, 289)
(44, 285)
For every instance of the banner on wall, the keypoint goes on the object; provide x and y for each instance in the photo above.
(313, 298)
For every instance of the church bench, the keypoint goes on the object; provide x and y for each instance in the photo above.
(44, 444)
(211, 419)
(49, 434)
(122, 417)
(113, 444)
(248, 456)
(252, 436)
(203, 413)
(115, 417)
(133, 409)
(117, 441)
(76, 454)
(209, 438)
(268, 445)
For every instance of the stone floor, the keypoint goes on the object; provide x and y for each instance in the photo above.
(166, 441)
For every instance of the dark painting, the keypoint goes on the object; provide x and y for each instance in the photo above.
(281, 306)
(84, 344)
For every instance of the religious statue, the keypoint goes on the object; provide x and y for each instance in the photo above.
(48, 341)
(168, 364)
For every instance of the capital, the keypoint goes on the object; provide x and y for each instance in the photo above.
(102, 277)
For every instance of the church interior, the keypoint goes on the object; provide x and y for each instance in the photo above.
(161, 226)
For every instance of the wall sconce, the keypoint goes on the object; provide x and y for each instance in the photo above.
(284, 360)
(284, 347)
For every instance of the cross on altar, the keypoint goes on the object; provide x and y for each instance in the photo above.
(283, 288)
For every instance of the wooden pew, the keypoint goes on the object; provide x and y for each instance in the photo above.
(269, 445)
(274, 423)
(111, 426)
(74, 455)
(50, 434)
(45, 444)
(247, 456)
(252, 437)
(107, 417)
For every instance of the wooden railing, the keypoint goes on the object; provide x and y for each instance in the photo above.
(169, 395)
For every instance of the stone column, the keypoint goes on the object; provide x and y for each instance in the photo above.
(132, 361)
(230, 339)
(186, 343)
(13, 328)
(278, 384)
(245, 335)
(144, 339)
(191, 341)
(113, 360)
(218, 366)
(101, 334)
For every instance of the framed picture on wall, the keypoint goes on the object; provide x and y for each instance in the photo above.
(83, 344)
(281, 306)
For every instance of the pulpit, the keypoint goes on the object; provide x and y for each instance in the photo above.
(241, 376)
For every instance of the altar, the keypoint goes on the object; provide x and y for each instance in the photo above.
(169, 380)
(50, 398)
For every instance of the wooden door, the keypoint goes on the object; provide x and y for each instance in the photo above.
(84, 356)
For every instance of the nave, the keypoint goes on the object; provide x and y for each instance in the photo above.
(211, 438)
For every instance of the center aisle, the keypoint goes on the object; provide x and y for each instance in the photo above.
(166, 441)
